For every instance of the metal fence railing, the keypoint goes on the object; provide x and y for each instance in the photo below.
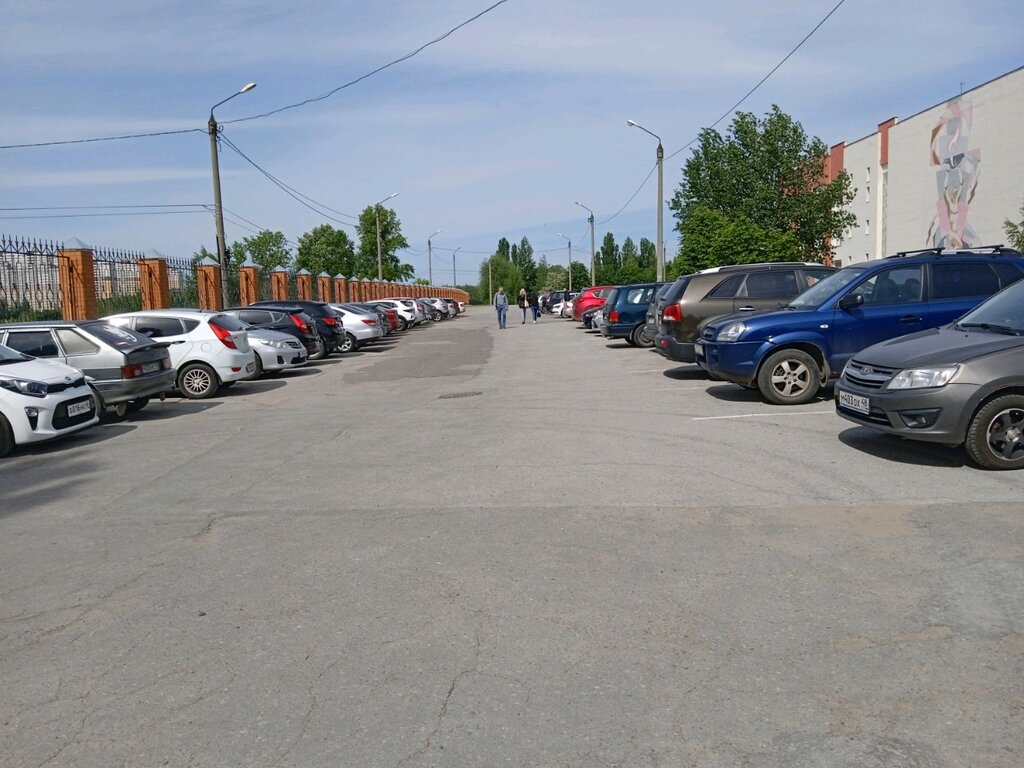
(117, 280)
(29, 280)
(182, 287)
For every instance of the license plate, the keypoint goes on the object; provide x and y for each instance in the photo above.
(250, 367)
(698, 349)
(77, 409)
(150, 367)
(854, 402)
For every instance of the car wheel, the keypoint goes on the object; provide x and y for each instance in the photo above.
(349, 344)
(134, 406)
(402, 324)
(639, 337)
(6, 437)
(789, 377)
(197, 381)
(257, 370)
(321, 350)
(995, 438)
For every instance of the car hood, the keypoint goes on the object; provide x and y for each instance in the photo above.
(937, 347)
(763, 318)
(45, 371)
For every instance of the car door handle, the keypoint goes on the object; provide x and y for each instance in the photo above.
(911, 319)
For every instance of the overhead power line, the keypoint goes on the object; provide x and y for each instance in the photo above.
(101, 138)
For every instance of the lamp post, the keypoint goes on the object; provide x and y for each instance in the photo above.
(593, 251)
(430, 258)
(454, 280)
(218, 210)
(376, 210)
(660, 245)
(570, 259)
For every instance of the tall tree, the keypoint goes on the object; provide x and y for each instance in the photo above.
(609, 261)
(326, 249)
(502, 273)
(522, 257)
(768, 174)
(631, 271)
(391, 239)
(504, 249)
(268, 249)
(580, 275)
(648, 257)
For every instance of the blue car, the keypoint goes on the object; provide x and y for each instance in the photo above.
(789, 353)
(625, 313)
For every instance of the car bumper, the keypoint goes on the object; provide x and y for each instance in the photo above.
(931, 415)
(50, 418)
(366, 333)
(235, 366)
(729, 361)
(277, 359)
(618, 330)
(680, 351)
(124, 390)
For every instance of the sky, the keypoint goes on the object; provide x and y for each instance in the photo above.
(494, 131)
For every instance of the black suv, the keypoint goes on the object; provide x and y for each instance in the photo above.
(328, 322)
(291, 320)
(694, 299)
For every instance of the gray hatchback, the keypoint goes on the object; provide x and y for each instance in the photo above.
(963, 383)
(124, 367)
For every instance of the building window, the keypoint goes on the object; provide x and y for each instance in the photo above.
(867, 175)
(867, 194)
(867, 227)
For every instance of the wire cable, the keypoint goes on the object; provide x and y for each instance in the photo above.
(631, 199)
(92, 215)
(101, 138)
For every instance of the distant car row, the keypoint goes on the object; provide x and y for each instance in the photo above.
(927, 345)
(58, 377)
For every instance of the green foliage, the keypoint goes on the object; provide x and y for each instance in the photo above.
(555, 279)
(17, 312)
(391, 240)
(608, 261)
(769, 174)
(712, 239)
(522, 257)
(580, 276)
(648, 258)
(502, 273)
(201, 254)
(268, 249)
(1015, 231)
(421, 281)
(326, 249)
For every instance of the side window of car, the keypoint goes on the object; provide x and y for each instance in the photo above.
(254, 316)
(158, 327)
(959, 280)
(774, 284)
(75, 343)
(899, 285)
(35, 343)
(1008, 273)
(727, 288)
(635, 295)
(811, 276)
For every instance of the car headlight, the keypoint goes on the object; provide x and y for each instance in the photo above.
(273, 343)
(731, 332)
(24, 386)
(922, 378)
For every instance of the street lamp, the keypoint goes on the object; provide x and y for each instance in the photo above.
(660, 246)
(593, 251)
(570, 259)
(455, 282)
(218, 210)
(376, 210)
(430, 260)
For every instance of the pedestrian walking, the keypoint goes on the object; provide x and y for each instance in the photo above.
(531, 300)
(501, 305)
(521, 302)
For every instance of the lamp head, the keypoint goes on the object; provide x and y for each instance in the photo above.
(631, 123)
(247, 87)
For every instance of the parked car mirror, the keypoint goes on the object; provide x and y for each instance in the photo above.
(851, 300)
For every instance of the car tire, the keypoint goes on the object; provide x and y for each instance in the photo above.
(321, 350)
(134, 406)
(995, 437)
(402, 324)
(349, 344)
(639, 338)
(197, 381)
(789, 377)
(257, 370)
(6, 436)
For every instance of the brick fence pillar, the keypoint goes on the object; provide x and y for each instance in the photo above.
(279, 284)
(323, 287)
(304, 285)
(153, 281)
(340, 289)
(208, 279)
(248, 283)
(77, 284)
(364, 289)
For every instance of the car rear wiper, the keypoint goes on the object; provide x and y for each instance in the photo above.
(991, 327)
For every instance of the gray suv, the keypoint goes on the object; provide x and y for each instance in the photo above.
(694, 299)
(962, 383)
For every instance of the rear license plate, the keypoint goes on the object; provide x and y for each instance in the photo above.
(698, 348)
(77, 409)
(150, 367)
(854, 402)
(250, 367)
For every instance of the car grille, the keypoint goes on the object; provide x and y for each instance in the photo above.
(61, 420)
(294, 344)
(868, 376)
(875, 417)
(60, 387)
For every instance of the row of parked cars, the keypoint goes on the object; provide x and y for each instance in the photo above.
(57, 377)
(927, 345)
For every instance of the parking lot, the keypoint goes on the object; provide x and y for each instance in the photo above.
(529, 547)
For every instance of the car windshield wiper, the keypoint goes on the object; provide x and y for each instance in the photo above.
(991, 327)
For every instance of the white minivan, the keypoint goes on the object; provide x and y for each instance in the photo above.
(210, 350)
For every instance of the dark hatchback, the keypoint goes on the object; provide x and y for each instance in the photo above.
(963, 383)
(625, 313)
(291, 320)
(329, 327)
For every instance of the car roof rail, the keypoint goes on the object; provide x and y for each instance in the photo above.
(995, 250)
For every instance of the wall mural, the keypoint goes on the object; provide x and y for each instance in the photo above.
(956, 177)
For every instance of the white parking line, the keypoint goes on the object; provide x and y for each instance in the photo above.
(753, 415)
(650, 370)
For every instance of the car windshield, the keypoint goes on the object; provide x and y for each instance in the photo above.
(8, 355)
(814, 296)
(118, 338)
(1003, 313)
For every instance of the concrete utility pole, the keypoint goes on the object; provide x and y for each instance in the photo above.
(570, 259)
(593, 249)
(430, 259)
(218, 209)
(454, 280)
(490, 285)
(380, 260)
(660, 245)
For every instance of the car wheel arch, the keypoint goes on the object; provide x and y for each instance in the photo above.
(983, 397)
(804, 346)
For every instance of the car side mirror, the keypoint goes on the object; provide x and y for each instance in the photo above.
(851, 300)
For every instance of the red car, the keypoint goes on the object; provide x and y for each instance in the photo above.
(591, 297)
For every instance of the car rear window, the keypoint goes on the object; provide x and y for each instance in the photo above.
(727, 288)
(613, 296)
(956, 280)
(118, 338)
(228, 322)
(677, 289)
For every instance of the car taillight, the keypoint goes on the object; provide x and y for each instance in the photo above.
(672, 312)
(613, 316)
(131, 371)
(300, 323)
(331, 321)
(370, 322)
(224, 335)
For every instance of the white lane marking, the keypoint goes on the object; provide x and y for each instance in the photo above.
(753, 415)
(651, 370)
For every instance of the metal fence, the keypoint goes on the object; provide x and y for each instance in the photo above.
(29, 280)
(181, 282)
(117, 280)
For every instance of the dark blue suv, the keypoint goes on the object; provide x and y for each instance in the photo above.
(789, 353)
(625, 313)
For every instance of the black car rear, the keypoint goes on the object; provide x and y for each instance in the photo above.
(291, 320)
(329, 326)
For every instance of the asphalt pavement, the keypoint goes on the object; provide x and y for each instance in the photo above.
(525, 547)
